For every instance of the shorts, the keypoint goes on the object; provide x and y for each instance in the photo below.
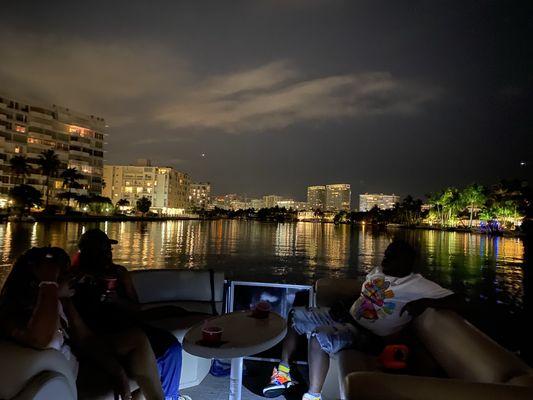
(332, 336)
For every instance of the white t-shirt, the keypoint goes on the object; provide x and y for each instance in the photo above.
(383, 297)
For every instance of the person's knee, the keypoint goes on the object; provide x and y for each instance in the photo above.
(136, 337)
(314, 343)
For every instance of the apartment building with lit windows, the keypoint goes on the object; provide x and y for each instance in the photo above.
(338, 197)
(28, 128)
(166, 188)
(316, 197)
(382, 201)
(200, 194)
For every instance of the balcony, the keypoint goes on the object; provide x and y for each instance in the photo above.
(41, 125)
(39, 114)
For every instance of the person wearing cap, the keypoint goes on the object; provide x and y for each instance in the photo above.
(36, 311)
(108, 301)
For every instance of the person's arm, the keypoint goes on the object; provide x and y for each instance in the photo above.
(43, 324)
(127, 282)
(129, 302)
(452, 302)
(79, 331)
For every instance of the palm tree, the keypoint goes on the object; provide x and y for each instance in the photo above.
(143, 205)
(450, 203)
(83, 200)
(25, 197)
(70, 181)
(474, 197)
(49, 162)
(19, 167)
(121, 203)
(436, 200)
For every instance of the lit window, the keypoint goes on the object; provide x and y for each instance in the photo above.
(18, 149)
(21, 129)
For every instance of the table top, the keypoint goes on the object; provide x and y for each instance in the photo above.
(242, 335)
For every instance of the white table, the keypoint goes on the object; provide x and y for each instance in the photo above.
(242, 336)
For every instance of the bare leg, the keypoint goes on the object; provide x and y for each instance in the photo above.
(98, 351)
(289, 345)
(141, 362)
(318, 365)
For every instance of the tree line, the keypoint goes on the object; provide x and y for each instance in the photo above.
(24, 196)
(500, 206)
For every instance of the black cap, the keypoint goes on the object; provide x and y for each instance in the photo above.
(94, 237)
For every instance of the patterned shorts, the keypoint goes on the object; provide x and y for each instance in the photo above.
(332, 336)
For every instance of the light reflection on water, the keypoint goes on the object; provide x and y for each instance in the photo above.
(488, 270)
(293, 252)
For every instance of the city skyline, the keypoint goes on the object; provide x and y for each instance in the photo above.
(238, 93)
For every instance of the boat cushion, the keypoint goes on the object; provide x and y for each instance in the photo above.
(463, 351)
(179, 326)
(351, 360)
(19, 364)
(193, 306)
(168, 285)
(376, 385)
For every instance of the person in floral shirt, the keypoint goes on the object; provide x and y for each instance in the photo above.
(391, 296)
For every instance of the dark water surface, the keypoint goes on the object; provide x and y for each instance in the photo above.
(489, 271)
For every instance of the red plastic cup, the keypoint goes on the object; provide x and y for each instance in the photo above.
(110, 284)
(212, 334)
(262, 309)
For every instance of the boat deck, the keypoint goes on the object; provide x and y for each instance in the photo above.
(256, 375)
(216, 388)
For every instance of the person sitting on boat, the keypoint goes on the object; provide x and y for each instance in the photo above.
(108, 301)
(390, 297)
(36, 310)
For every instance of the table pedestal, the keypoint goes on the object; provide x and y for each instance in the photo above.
(235, 380)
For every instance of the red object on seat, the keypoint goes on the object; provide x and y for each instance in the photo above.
(75, 260)
(394, 356)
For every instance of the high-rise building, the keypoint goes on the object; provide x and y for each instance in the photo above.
(227, 201)
(28, 128)
(257, 204)
(271, 200)
(291, 204)
(166, 188)
(200, 194)
(382, 201)
(338, 197)
(316, 197)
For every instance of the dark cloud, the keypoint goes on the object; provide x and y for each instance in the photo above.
(388, 96)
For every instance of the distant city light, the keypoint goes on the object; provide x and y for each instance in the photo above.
(523, 163)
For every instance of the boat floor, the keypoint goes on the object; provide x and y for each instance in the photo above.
(256, 374)
(216, 388)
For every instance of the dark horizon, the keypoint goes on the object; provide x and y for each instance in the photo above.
(392, 97)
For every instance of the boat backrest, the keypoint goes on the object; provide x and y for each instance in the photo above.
(464, 352)
(191, 290)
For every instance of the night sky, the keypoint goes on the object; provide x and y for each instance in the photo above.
(389, 96)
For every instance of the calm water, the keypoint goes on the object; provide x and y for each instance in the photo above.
(489, 271)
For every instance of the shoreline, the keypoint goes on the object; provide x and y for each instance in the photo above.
(102, 218)
(128, 218)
